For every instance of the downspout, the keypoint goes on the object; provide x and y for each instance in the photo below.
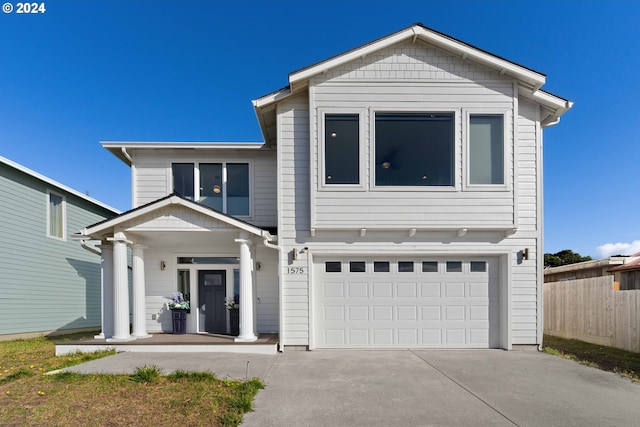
(126, 155)
(279, 249)
(89, 248)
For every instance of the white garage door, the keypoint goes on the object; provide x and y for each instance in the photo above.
(404, 303)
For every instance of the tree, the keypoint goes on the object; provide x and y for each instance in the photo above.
(564, 257)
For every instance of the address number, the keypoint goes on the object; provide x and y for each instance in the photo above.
(296, 270)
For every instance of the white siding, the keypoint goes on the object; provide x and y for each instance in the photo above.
(293, 155)
(152, 177)
(411, 77)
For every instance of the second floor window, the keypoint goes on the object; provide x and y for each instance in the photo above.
(342, 149)
(221, 186)
(414, 149)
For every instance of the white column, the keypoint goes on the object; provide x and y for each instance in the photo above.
(246, 291)
(120, 290)
(106, 295)
(139, 294)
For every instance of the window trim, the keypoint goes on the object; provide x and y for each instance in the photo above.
(454, 187)
(64, 215)
(362, 115)
(196, 180)
(506, 147)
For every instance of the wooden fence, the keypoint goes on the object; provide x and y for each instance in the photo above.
(590, 310)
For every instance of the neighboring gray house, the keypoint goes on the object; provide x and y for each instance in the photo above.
(396, 202)
(47, 281)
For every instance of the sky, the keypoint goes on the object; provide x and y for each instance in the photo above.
(86, 71)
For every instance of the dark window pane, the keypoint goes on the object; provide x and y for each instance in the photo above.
(357, 267)
(211, 185)
(478, 266)
(237, 188)
(454, 267)
(341, 149)
(486, 150)
(183, 179)
(405, 266)
(333, 266)
(381, 266)
(429, 266)
(414, 149)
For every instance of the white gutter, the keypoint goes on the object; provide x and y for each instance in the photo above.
(126, 155)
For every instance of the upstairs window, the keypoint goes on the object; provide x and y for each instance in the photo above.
(221, 186)
(183, 179)
(486, 150)
(414, 149)
(342, 149)
(56, 216)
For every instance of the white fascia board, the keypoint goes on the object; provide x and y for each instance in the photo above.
(168, 202)
(522, 73)
(350, 56)
(56, 184)
(188, 145)
(271, 98)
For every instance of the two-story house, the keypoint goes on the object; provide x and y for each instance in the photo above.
(396, 202)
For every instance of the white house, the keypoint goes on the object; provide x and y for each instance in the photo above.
(396, 202)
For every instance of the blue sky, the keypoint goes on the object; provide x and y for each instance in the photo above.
(86, 71)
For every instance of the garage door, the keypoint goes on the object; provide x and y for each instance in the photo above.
(404, 303)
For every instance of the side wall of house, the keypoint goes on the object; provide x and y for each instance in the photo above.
(46, 283)
(151, 173)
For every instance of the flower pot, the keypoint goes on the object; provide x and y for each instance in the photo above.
(234, 317)
(179, 320)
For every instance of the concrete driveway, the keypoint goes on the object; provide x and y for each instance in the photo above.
(440, 388)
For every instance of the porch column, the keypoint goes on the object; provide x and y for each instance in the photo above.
(247, 333)
(139, 294)
(120, 290)
(106, 290)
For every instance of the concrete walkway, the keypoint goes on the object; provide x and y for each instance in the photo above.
(411, 387)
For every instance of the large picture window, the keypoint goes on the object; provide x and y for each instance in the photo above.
(414, 149)
(486, 149)
(342, 149)
(221, 186)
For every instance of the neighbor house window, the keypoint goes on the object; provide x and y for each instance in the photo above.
(414, 149)
(341, 149)
(221, 186)
(486, 149)
(56, 216)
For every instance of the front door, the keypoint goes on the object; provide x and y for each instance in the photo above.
(212, 286)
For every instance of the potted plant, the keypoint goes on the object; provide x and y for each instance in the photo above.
(233, 305)
(179, 307)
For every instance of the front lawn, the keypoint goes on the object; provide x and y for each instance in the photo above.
(30, 398)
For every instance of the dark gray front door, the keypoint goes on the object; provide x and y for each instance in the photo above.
(212, 292)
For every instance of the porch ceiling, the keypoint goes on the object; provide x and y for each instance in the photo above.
(186, 239)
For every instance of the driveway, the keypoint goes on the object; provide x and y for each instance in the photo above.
(440, 388)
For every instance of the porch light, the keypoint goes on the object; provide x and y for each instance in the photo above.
(163, 265)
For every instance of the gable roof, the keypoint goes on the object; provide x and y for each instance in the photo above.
(529, 81)
(56, 184)
(172, 199)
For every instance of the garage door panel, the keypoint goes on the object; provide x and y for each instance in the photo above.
(357, 290)
(387, 308)
(333, 290)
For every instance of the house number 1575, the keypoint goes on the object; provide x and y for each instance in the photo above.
(296, 270)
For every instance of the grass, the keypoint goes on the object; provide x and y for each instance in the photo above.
(30, 398)
(622, 362)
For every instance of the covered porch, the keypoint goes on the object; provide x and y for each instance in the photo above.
(176, 245)
(185, 343)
